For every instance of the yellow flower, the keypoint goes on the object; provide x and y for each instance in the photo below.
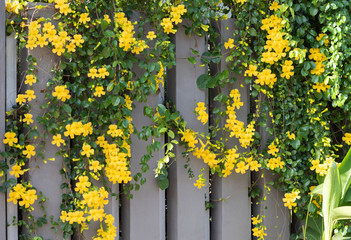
(167, 26)
(95, 166)
(274, 6)
(10, 138)
(347, 138)
(99, 90)
(256, 220)
(61, 92)
(200, 182)
(290, 198)
(151, 35)
(83, 184)
(28, 118)
(29, 152)
(21, 98)
(87, 151)
(229, 44)
(252, 71)
(241, 167)
(320, 87)
(114, 131)
(77, 39)
(291, 136)
(30, 95)
(16, 171)
(103, 72)
(57, 140)
(273, 149)
(84, 18)
(107, 18)
(30, 79)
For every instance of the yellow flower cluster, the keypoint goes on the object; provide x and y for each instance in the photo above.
(274, 163)
(26, 197)
(13, 6)
(287, 69)
(72, 217)
(98, 73)
(61, 41)
(189, 136)
(160, 76)
(63, 6)
(175, 18)
(273, 149)
(114, 131)
(246, 137)
(266, 77)
(205, 154)
(200, 182)
(29, 95)
(322, 168)
(126, 36)
(230, 161)
(319, 58)
(276, 45)
(116, 168)
(320, 87)
(347, 138)
(61, 93)
(259, 232)
(252, 71)
(290, 198)
(321, 36)
(201, 112)
(77, 129)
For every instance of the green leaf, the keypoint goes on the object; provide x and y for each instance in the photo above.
(67, 108)
(331, 198)
(192, 60)
(162, 180)
(115, 101)
(104, 24)
(296, 143)
(340, 213)
(203, 81)
(106, 52)
(109, 33)
(314, 229)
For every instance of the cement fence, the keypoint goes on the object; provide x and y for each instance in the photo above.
(179, 213)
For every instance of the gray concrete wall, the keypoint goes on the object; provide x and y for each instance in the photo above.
(186, 214)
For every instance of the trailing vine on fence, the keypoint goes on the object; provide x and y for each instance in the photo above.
(295, 56)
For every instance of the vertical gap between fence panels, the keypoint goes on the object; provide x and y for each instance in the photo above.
(2, 111)
(232, 216)
(11, 94)
(277, 218)
(186, 214)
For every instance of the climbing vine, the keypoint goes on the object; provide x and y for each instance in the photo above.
(295, 56)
